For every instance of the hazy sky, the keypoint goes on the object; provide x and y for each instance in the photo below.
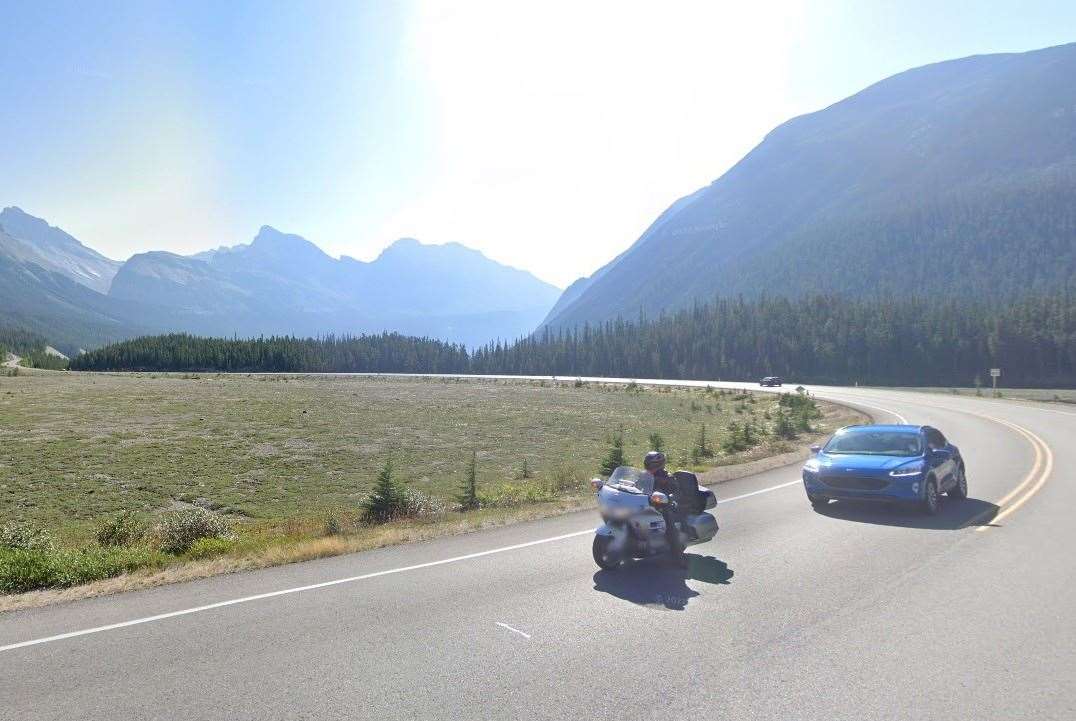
(548, 135)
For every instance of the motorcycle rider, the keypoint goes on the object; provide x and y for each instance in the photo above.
(654, 463)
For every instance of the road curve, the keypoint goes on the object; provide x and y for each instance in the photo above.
(850, 613)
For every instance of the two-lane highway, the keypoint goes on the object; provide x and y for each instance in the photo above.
(852, 612)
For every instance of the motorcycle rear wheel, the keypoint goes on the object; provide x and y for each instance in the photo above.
(605, 560)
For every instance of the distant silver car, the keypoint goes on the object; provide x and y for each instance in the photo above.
(771, 381)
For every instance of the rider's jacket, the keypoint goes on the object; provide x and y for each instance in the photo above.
(664, 482)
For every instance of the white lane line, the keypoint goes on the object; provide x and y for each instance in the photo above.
(334, 582)
(764, 490)
(287, 591)
(513, 630)
(854, 402)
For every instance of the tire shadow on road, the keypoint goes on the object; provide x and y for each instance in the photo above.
(952, 516)
(654, 584)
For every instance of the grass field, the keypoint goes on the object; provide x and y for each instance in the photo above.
(1042, 395)
(276, 454)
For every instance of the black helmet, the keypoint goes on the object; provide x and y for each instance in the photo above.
(654, 459)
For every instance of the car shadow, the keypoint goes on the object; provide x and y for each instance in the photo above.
(655, 584)
(952, 516)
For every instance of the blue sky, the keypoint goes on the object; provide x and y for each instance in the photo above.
(547, 135)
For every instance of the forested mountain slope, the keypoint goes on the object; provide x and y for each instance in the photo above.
(956, 179)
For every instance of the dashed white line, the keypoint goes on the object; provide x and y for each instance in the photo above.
(513, 630)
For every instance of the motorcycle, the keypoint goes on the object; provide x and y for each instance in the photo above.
(634, 527)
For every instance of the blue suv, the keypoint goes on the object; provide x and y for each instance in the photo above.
(913, 465)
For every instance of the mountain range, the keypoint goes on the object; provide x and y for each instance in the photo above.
(956, 179)
(277, 284)
(953, 180)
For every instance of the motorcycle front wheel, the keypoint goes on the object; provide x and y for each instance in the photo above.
(602, 556)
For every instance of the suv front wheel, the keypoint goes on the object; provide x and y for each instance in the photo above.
(931, 499)
(959, 491)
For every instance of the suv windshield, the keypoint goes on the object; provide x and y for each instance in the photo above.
(875, 443)
(628, 478)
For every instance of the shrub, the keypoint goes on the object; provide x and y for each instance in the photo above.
(178, 530)
(25, 537)
(417, 504)
(24, 570)
(783, 427)
(121, 530)
(506, 495)
(656, 442)
(210, 547)
(28, 570)
(333, 527)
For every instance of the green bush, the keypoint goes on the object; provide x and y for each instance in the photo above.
(25, 570)
(508, 495)
(416, 504)
(783, 427)
(25, 537)
(121, 530)
(333, 526)
(178, 530)
(210, 547)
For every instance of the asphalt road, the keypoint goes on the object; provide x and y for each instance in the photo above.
(850, 613)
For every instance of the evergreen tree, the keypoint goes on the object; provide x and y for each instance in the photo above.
(615, 458)
(702, 445)
(388, 499)
(468, 498)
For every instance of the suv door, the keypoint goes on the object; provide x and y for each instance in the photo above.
(940, 458)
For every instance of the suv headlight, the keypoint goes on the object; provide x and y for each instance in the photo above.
(914, 468)
(812, 466)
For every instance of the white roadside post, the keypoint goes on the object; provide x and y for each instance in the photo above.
(995, 373)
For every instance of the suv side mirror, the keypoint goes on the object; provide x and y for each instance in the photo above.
(816, 449)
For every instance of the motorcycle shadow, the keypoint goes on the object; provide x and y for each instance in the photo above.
(655, 584)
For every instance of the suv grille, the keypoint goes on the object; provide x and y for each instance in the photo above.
(855, 483)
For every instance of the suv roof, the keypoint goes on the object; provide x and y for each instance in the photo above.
(885, 427)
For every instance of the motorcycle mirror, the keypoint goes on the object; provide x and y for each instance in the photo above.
(816, 449)
(657, 498)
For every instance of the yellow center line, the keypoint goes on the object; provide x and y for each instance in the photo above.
(1039, 482)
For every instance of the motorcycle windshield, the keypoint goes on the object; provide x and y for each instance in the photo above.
(626, 477)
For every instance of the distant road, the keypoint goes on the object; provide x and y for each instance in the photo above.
(853, 613)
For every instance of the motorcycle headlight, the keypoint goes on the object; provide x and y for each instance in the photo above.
(914, 468)
(616, 513)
